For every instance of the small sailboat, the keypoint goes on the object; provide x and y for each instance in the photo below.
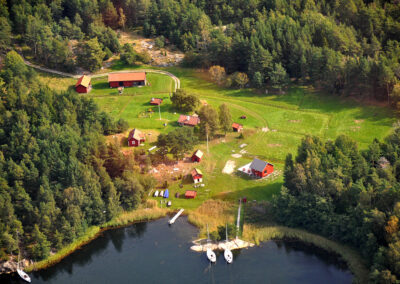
(228, 253)
(20, 272)
(210, 254)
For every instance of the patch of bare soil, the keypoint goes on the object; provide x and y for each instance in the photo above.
(162, 57)
(295, 121)
(229, 167)
(173, 171)
(358, 121)
(355, 128)
(265, 129)
(274, 145)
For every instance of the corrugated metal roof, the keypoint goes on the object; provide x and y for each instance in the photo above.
(133, 76)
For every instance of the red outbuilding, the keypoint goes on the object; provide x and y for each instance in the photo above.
(197, 156)
(197, 175)
(190, 194)
(261, 168)
(237, 127)
(131, 79)
(156, 101)
(188, 120)
(83, 85)
(135, 138)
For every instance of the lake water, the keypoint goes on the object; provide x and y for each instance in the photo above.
(157, 253)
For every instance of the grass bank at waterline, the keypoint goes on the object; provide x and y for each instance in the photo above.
(353, 259)
(125, 218)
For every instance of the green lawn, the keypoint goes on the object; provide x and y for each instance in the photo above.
(287, 117)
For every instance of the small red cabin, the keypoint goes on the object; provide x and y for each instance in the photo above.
(83, 85)
(261, 168)
(197, 156)
(189, 120)
(237, 127)
(131, 79)
(135, 138)
(156, 101)
(190, 194)
(197, 175)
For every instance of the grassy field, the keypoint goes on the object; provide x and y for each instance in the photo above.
(274, 127)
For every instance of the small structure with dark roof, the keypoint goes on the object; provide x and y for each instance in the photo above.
(190, 194)
(135, 138)
(237, 127)
(131, 79)
(197, 175)
(197, 156)
(261, 168)
(83, 85)
(156, 101)
(189, 120)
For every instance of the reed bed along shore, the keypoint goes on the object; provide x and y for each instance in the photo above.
(355, 263)
(148, 212)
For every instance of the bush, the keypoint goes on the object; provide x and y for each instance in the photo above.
(160, 42)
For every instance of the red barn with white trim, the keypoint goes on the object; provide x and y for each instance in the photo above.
(261, 168)
(131, 79)
(197, 156)
(135, 138)
(237, 127)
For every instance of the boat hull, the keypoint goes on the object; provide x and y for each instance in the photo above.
(228, 256)
(211, 255)
(23, 275)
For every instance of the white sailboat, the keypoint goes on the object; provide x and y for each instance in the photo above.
(210, 254)
(20, 272)
(228, 253)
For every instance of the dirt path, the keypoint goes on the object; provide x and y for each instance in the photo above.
(48, 70)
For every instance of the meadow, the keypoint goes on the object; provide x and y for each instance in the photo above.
(274, 127)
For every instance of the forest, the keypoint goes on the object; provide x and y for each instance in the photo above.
(347, 47)
(57, 174)
(334, 189)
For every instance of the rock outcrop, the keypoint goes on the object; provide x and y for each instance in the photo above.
(202, 245)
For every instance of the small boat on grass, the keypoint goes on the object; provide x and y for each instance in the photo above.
(210, 254)
(228, 255)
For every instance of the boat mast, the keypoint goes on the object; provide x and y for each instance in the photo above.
(226, 232)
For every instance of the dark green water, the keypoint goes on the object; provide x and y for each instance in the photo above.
(157, 253)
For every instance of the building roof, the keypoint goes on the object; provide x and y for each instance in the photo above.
(136, 134)
(84, 81)
(258, 165)
(237, 125)
(133, 76)
(190, 193)
(189, 120)
(198, 154)
(196, 172)
(156, 101)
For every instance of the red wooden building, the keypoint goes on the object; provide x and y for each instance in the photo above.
(135, 138)
(156, 101)
(261, 168)
(197, 156)
(190, 194)
(83, 85)
(197, 175)
(237, 127)
(189, 120)
(116, 80)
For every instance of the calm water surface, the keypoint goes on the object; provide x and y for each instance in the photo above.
(157, 253)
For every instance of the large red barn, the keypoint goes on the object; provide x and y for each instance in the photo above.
(261, 168)
(131, 79)
(135, 138)
(83, 85)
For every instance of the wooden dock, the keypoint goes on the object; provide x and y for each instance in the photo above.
(176, 216)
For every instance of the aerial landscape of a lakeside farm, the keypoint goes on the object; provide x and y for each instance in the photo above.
(199, 141)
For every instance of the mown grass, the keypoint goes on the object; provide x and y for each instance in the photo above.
(356, 264)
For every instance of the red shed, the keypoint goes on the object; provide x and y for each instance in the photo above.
(197, 156)
(261, 168)
(190, 194)
(197, 175)
(83, 85)
(237, 127)
(135, 138)
(127, 79)
(156, 101)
